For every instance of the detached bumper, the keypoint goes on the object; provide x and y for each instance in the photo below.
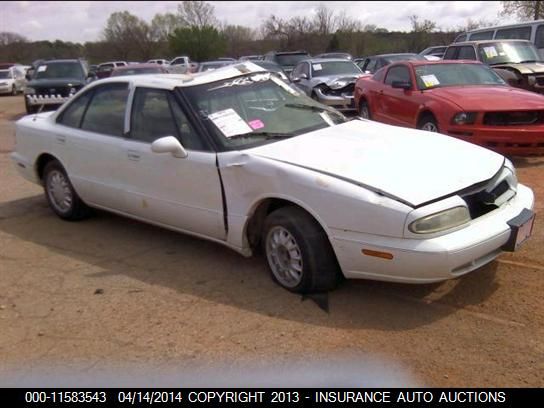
(343, 102)
(431, 260)
(34, 100)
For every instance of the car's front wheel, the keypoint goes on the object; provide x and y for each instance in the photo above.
(60, 193)
(13, 90)
(428, 123)
(298, 252)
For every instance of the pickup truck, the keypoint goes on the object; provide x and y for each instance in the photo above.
(182, 65)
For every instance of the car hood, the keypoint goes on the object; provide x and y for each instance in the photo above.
(478, 98)
(524, 69)
(55, 82)
(411, 166)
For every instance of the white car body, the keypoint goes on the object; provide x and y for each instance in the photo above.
(358, 180)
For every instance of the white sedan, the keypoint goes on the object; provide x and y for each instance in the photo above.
(239, 157)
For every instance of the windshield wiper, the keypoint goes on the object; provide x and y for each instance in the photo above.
(266, 135)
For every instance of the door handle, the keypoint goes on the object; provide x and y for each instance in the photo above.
(60, 139)
(133, 155)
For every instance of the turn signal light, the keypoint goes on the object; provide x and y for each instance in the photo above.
(377, 254)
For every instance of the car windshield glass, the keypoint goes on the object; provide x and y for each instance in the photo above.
(257, 108)
(290, 59)
(439, 75)
(334, 68)
(136, 71)
(4, 74)
(507, 52)
(59, 70)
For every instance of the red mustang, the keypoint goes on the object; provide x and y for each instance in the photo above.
(463, 99)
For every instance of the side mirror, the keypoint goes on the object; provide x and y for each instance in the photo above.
(293, 79)
(406, 85)
(303, 76)
(28, 75)
(169, 144)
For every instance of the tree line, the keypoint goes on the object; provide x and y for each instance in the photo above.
(195, 30)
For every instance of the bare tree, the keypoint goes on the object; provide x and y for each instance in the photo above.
(7, 37)
(324, 20)
(524, 10)
(426, 26)
(345, 23)
(163, 25)
(129, 35)
(197, 14)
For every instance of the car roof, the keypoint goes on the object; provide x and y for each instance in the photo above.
(56, 61)
(317, 60)
(171, 81)
(416, 63)
(136, 66)
(488, 42)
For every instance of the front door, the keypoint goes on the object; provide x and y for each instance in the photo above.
(184, 193)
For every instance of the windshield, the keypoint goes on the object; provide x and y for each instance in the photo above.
(334, 68)
(5, 74)
(257, 108)
(59, 70)
(439, 75)
(507, 52)
(290, 59)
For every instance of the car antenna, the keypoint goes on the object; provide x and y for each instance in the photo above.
(38, 112)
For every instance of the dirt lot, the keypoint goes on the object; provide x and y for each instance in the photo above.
(113, 301)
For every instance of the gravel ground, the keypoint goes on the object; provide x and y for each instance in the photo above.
(110, 301)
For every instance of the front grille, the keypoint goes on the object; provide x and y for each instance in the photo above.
(483, 201)
(347, 90)
(514, 118)
(54, 90)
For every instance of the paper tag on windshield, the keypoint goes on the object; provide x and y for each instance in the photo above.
(42, 68)
(430, 80)
(229, 122)
(317, 67)
(490, 52)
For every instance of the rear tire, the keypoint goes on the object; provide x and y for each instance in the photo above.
(61, 195)
(298, 251)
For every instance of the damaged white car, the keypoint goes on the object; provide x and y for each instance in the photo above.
(239, 157)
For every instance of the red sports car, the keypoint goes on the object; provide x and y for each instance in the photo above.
(463, 99)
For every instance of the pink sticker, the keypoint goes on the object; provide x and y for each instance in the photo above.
(256, 124)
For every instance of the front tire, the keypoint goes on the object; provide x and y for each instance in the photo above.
(428, 123)
(61, 195)
(13, 91)
(298, 251)
(364, 110)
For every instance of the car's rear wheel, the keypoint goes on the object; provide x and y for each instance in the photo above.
(364, 110)
(428, 123)
(298, 252)
(60, 193)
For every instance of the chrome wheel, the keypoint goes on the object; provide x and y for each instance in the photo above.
(59, 191)
(429, 127)
(284, 256)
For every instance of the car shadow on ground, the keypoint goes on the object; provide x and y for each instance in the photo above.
(108, 245)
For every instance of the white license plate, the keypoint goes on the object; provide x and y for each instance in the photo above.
(524, 232)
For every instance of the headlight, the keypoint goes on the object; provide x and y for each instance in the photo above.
(73, 91)
(464, 118)
(338, 84)
(29, 91)
(440, 221)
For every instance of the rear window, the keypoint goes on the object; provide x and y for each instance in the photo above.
(521, 33)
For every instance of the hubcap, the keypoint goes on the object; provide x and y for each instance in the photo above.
(284, 256)
(429, 127)
(59, 191)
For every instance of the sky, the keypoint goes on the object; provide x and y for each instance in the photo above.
(81, 21)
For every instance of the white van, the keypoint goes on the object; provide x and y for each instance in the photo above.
(532, 31)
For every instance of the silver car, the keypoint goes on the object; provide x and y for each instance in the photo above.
(330, 81)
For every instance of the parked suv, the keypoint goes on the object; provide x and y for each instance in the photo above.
(54, 82)
(287, 59)
(516, 61)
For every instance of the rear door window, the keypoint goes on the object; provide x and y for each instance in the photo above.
(522, 33)
(539, 38)
(73, 114)
(484, 35)
(106, 111)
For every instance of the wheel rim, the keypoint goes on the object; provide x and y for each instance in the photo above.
(364, 112)
(429, 127)
(284, 257)
(59, 191)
